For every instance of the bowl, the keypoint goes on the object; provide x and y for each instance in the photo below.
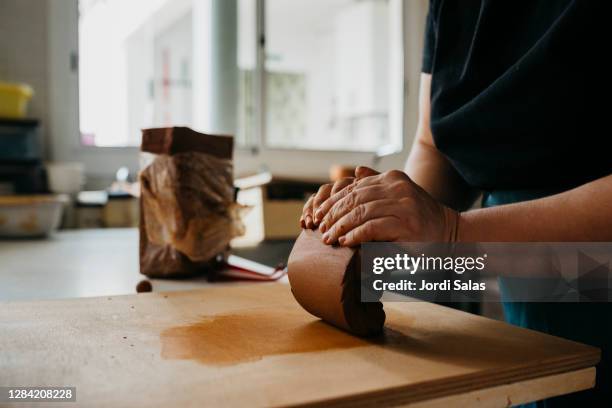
(14, 100)
(65, 177)
(25, 216)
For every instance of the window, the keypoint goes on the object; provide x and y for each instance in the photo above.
(135, 68)
(288, 74)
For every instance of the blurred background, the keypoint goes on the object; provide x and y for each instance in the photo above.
(301, 84)
(308, 88)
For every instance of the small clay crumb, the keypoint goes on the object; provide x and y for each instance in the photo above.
(109, 298)
(131, 345)
(144, 286)
(125, 337)
(131, 307)
(165, 296)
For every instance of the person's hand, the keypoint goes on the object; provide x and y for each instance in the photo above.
(310, 217)
(386, 207)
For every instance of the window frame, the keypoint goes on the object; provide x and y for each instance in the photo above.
(397, 125)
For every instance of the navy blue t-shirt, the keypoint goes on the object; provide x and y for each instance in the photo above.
(519, 101)
(517, 97)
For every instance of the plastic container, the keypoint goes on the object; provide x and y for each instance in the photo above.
(20, 140)
(14, 100)
(30, 216)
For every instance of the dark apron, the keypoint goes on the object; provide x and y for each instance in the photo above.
(589, 323)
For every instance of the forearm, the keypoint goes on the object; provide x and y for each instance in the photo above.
(428, 168)
(581, 214)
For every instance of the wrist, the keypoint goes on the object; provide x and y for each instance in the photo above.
(465, 227)
(452, 219)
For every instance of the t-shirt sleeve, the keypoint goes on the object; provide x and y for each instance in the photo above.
(430, 41)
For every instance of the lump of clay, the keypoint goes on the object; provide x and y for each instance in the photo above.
(325, 280)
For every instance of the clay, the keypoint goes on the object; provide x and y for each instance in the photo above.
(325, 280)
(144, 286)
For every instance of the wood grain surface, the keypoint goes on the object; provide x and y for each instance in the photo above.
(253, 345)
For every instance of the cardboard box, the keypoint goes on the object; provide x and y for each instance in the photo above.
(276, 203)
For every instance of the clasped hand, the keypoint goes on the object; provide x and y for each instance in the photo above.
(376, 206)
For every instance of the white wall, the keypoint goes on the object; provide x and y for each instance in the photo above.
(23, 51)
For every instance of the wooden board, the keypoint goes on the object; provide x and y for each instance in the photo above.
(252, 345)
(515, 393)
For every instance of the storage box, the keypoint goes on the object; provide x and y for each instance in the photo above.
(14, 100)
(89, 208)
(22, 177)
(121, 211)
(277, 205)
(20, 140)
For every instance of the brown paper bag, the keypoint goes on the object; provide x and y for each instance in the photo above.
(188, 213)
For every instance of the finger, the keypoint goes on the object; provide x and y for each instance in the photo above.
(322, 195)
(340, 184)
(337, 186)
(363, 171)
(307, 212)
(374, 230)
(309, 220)
(358, 216)
(348, 202)
(334, 198)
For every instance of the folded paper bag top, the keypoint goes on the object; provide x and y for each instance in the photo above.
(325, 280)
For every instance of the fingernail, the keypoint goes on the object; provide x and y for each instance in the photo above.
(318, 215)
(326, 237)
(308, 221)
(341, 240)
(322, 227)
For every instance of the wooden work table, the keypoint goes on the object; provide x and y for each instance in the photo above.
(252, 345)
(247, 345)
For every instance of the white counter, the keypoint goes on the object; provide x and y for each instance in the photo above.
(77, 263)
